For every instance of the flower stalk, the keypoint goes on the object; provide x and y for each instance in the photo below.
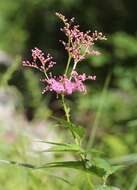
(79, 46)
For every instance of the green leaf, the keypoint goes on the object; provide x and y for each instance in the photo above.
(97, 171)
(62, 147)
(101, 163)
(116, 168)
(53, 143)
(94, 152)
(78, 130)
(106, 188)
(105, 165)
(65, 164)
(79, 165)
(61, 122)
(60, 178)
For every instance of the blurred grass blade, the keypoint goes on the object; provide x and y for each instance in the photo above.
(99, 111)
(18, 164)
(60, 178)
(127, 159)
(134, 183)
(7, 76)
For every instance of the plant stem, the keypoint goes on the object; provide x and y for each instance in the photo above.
(45, 73)
(67, 114)
(69, 58)
(68, 63)
(74, 67)
(82, 156)
(89, 182)
(66, 109)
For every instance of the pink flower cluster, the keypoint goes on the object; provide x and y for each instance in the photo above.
(40, 61)
(80, 44)
(66, 86)
(61, 84)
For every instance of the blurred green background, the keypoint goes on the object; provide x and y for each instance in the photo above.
(110, 104)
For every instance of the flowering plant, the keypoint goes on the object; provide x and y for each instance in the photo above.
(79, 46)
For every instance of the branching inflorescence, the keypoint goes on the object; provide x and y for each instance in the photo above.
(79, 47)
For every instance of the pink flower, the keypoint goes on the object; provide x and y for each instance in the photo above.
(40, 61)
(80, 44)
(66, 86)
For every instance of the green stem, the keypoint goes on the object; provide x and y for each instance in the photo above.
(66, 109)
(45, 73)
(69, 58)
(74, 67)
(89, 182)
(75, 63)
(68, 63)
(105, 180)
(67, 114)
